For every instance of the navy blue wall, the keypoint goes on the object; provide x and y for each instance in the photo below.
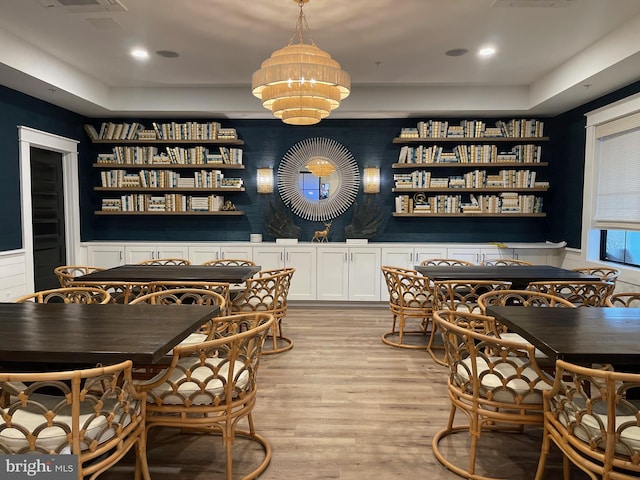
(266, 141)
(16, 110)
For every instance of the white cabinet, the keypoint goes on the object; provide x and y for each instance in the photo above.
(477, 255)
(349, 273)
(135, 253)
(105, 255)
(300, 257)
(200, 253)
(407, 257)
(539, 256)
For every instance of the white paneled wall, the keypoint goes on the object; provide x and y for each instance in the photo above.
(13, 278)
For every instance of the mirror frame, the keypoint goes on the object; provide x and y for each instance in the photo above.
(294, 161)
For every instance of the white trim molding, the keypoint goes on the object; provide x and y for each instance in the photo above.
(29, 137)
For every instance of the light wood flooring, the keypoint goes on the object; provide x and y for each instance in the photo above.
(343, 405)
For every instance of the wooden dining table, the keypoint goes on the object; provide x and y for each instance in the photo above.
(158, 273)
(80, 334)
(579, 335)
(519, 275)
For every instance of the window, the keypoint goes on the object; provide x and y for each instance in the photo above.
(620, 246)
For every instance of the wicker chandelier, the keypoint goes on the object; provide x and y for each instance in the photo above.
(300, 83)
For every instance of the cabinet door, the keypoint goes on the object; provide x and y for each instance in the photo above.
(303, 283)
(139, 253)
(333, 274)
(198, 254)
(364, 274)
(229, 251)
(398, 257)
(269, 257)
(469, 254)
(424, 253)
(105, 256)
(495, 253)
(539, 256)
(172, 251)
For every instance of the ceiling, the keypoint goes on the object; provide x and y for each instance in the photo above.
(552, 55)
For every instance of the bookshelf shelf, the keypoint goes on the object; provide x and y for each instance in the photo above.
(144, 169)
(234, 213)
(501, 215)
(470, 169)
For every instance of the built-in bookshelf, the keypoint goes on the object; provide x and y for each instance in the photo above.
(470, 169)
(171, 169)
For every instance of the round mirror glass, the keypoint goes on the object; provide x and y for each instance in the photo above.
(318, 179)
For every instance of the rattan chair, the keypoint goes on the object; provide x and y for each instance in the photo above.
(623, 299)
(165, 261)
(444, 262)
(67, 273)
(230, 262)
(211, 386)
(580, 293)
(496, 383)
(410, 299)
(67, 295)
(121, 292)
(186, 296)
(589, 417)
(606, 274)
(505, 262)
(222, 288)
(463, 294)
(94, 413)
(268, 292)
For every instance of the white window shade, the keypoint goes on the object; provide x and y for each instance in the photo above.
(618, 195)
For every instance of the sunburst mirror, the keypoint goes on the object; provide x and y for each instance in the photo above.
(318, 179)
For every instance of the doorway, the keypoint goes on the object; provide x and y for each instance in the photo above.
(47, 216)
(66, 150)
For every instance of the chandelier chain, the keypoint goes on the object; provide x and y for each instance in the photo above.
(302, 27)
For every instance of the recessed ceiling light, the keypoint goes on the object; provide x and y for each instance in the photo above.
(140, 54)
(486, 51)
(456, 52)
(167, 54)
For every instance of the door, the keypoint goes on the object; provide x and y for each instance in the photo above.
(47, 208)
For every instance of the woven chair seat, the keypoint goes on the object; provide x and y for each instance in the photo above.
(196, 381)
(505, 380)
(54, 438)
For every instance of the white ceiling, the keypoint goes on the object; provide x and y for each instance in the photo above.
(552, 55)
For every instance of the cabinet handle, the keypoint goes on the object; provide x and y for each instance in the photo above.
(287, 257)
(351, 257)
(516, 256)
(221, 255)
(411, 258)
(477, 258)
(345, 257)
(120, 254)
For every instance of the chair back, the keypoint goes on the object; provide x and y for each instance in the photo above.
(408, 290)
(230, 262)
(591, 416)
(505, 262)
(262, 293)
(490, 372)
(580, 293)
(606, 274)
(623, 299)
(67, 273)
(463, 294)
(445, 262)
(121, 292)
(96, 414)
(86, 295)
(165, 261)
(221, 288)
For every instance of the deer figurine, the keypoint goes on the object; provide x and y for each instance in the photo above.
(321, 235)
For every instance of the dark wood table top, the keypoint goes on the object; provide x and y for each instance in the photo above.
(578, 335)
(91, 334)
(519, 275)
(157, 273)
